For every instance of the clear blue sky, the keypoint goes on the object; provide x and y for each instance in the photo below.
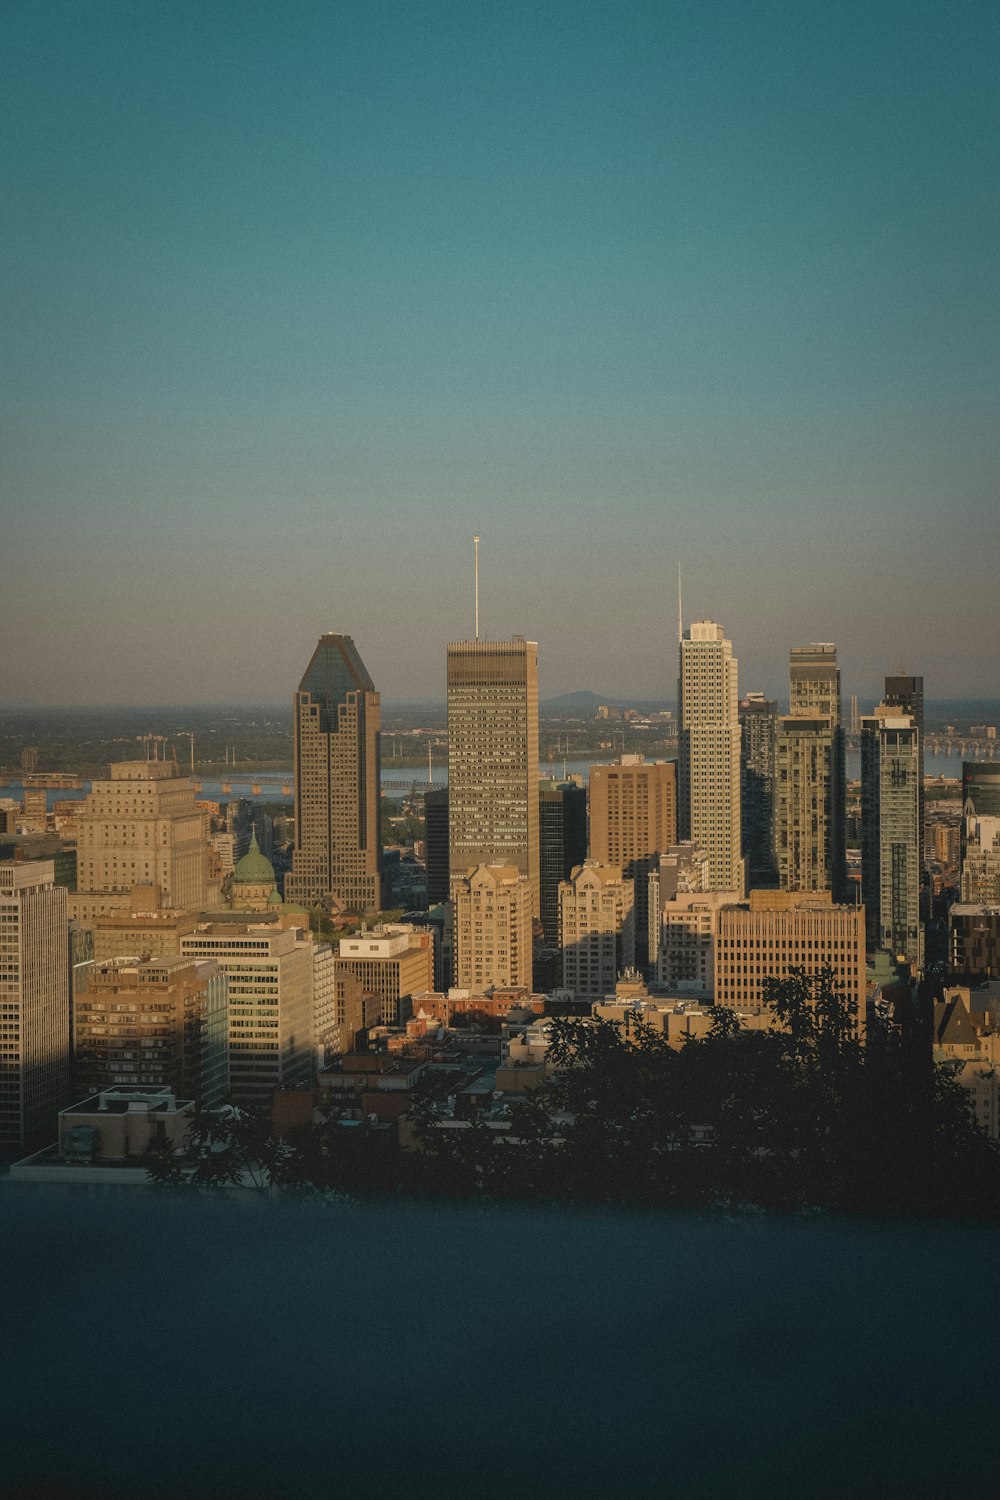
(297, 296)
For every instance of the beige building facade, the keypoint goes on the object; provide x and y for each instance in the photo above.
(394, 961)
(597, 928)
(685, 953)
(633, 820)
(777, 931)
(154, 1024)
(493, 799)
(269, 970)
(493, 928)
(140, 826)
(709, 742)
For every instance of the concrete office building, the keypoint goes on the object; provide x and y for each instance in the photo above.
(685, 956)
(154, 1024)
(633, 819)
(597, 921)
(337, 856)
(709, 764)
(562, 840)
(394, 961)
(493, 759)
(143, 925)
(974, 941)
(140, 826)
(775, 932)
(34, 1002)
(493, 928)
(890, 831)
(758, 731)
(682, 869)
(270, 983)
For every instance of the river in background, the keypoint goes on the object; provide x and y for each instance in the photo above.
(397, 779)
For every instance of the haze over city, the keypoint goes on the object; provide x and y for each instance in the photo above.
(296, 299)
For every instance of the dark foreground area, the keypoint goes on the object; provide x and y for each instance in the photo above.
(203, 1349)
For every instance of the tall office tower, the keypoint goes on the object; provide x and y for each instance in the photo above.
(633, 820)
(140, 826)
(709, 764)
(271, 978)
(337, 857)
(980, 878)
(154, 1023)
(562, 844)
(806, 847)
(492, 906)
(758, 730)
(906, 696)
(493, 758)
(597, 921)
(436, 846)
(34, 1001)
(890, 833)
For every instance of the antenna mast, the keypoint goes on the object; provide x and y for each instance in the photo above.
(475, 544)
(680, 614)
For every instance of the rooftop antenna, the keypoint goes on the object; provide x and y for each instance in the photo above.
(475, 544)
(680, 614)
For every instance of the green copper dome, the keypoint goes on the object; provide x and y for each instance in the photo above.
(253, 868)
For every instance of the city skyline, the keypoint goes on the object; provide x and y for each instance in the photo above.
(329, 292)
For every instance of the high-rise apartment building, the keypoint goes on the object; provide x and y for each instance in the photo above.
(633, 820)
(337, 856)
(140, 826)
(806, 804)
(34, 1002)
(809, 789)
(151, 1024)
(890, 832)
(709, 764)
(685, 956)
(493, 928)
(597, 921)
(271, 1019)
(562, 844)
(493, 759)
(906, 695)
(758, 730)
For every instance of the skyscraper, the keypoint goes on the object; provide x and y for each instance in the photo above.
(633, 820)
(709, 764)
(758, 729)
(906, 695)
(34, 1001)
(810, 786)
(562, 836)
(493, 758)
(890, 831)
(493, 946)
(337, 855)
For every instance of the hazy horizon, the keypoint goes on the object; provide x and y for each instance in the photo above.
(296, 299)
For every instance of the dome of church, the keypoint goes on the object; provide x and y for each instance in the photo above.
(253, 868)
